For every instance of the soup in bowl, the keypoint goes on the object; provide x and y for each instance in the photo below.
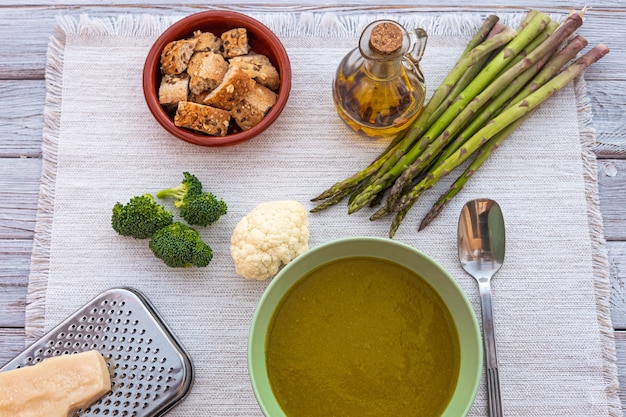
(364, 327)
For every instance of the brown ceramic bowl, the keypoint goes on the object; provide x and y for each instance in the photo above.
(261, 40)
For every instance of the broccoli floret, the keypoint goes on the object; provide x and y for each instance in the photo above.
(196, 207)
(180, 246)
(202, 209)
(191, 185)
(140, 218)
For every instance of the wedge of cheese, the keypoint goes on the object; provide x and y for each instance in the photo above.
(54, 387)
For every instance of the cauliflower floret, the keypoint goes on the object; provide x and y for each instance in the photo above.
(269, 237)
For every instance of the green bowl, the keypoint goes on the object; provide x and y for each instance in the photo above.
(390, 250)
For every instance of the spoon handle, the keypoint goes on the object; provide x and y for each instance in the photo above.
(491, 360)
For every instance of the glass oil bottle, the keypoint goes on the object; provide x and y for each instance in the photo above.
(379, 88)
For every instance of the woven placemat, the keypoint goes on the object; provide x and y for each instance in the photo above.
(101, 145)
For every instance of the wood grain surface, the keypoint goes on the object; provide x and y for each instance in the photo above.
(25, 31)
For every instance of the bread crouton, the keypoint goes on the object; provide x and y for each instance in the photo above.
(173, 89)
(176, 55)
(235, 42)
(207, 119)
(232, 89)
(206, 70)
(208, 42)
(260, 68)
(254, 106)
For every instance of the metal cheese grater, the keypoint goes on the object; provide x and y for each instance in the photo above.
(150, 371)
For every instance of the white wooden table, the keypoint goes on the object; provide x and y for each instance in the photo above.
(25, 30)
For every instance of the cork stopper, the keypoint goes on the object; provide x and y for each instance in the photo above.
(386, 38)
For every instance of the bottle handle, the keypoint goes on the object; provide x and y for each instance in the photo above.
(416, 53)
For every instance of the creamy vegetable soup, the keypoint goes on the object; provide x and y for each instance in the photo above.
(362, 337)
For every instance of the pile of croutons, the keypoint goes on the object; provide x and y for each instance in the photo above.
(209, 80)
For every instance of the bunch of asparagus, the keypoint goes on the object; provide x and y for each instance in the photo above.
(499, 80)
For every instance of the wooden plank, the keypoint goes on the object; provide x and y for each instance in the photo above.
(20, 179)
(12, 342)
(19, 193)
(14, 267)
(21, 117)
(31, 26)
(617, 263)
(608, 103)
(612, 190)
(491, 4)
(15, 263)
(19, 188)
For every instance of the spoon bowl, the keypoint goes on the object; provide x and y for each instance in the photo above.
(481, 241)
(481, 238)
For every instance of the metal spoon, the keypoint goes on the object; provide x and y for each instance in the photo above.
(481, 240)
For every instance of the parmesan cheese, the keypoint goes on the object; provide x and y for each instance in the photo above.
(54, 387)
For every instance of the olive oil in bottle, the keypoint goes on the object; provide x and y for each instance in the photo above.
(378, 87)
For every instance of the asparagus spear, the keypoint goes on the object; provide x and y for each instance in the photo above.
(550, 28)
(502, 37)
(496, 125)
(484, 31)
(331, 201)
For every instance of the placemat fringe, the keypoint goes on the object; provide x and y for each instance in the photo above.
(290, 24)
(40, 258)
(287, 24)
(600, 260)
